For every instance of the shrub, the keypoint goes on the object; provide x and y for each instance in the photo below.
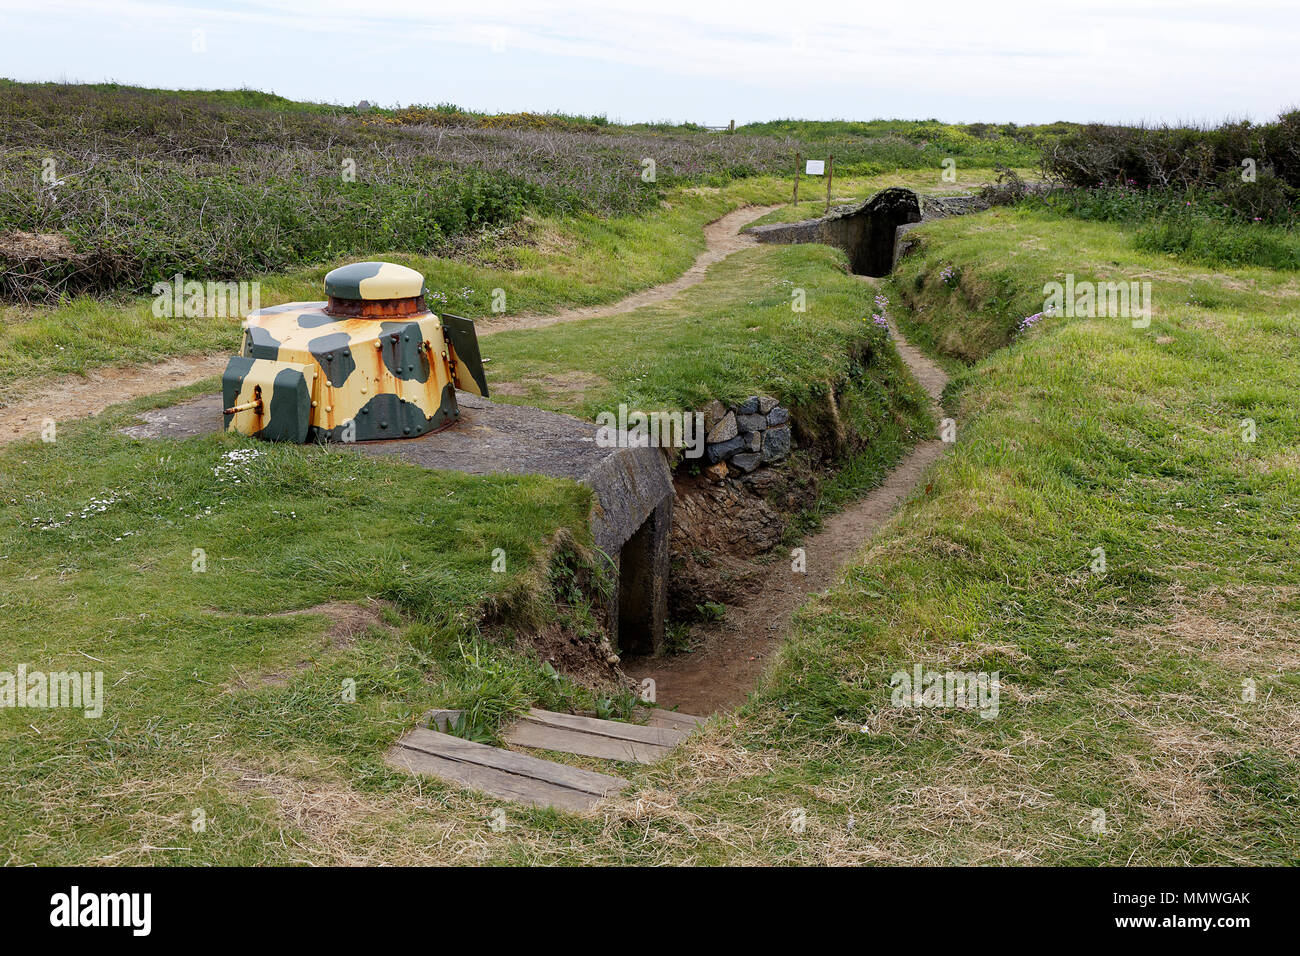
(1173, 157)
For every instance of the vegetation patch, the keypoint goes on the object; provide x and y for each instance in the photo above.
(143, 184)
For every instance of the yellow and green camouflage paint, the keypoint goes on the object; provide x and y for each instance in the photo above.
(307, 373)
(371, 281)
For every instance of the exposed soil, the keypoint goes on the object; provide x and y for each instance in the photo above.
(574, 655)
(79, 396)
(731, 655)
(346, 623)
(346, 620)
(570, 386)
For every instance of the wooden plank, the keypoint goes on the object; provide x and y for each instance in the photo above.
(671, 718)
(659, 736)
(530, 733)
(458, 749)
(495, 783)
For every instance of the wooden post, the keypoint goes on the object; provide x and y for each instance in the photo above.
(798, 165)
(732, 127)
(830, 174)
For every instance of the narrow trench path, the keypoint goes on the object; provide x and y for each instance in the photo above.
(70, 397)
(734, 653)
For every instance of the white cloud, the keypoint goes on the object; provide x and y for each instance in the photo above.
(1105, 58)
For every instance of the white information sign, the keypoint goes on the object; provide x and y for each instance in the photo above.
(816, 167)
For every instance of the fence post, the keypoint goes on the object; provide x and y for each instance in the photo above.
(798, 160)
(830, 174)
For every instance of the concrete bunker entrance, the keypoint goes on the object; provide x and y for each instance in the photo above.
(642, 598)
(866, 232)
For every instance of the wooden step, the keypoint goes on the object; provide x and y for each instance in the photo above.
(593, 737)
(669, 718)
(502, 773)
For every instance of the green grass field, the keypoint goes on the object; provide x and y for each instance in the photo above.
(561, 263)
(1121, 693)
(215, 692)
(1147, 711)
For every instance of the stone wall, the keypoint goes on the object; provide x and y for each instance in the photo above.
(755, 432)
(871, 232)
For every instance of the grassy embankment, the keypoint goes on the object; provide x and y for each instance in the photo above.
(1121, 693)
(1148, 714)
(215, 700)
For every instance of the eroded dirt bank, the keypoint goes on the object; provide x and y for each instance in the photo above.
(731, 655)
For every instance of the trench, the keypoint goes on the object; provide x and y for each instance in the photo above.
(730, 654)
(726, 658)
(867, 232)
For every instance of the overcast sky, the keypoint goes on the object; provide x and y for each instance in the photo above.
(992, 61)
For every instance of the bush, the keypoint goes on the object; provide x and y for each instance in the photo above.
(149, 183)
(1173, 158)
(1267, 199)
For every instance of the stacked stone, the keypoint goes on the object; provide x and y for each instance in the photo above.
(755, 432)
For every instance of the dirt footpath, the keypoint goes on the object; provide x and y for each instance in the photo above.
(80, 396)
(722, 672)
(722, 238)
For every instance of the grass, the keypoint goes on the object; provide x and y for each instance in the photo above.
(1147, 713)
(732, 336)
(167, 565)
(1003, 265)
(1122, 693)
(142, 184)
(556, 263)
(1217, 244)
(552, 264)
(218, 701)
(729, 337)
(1246, 224)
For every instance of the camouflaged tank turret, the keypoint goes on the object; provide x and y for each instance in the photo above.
(371, 363)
